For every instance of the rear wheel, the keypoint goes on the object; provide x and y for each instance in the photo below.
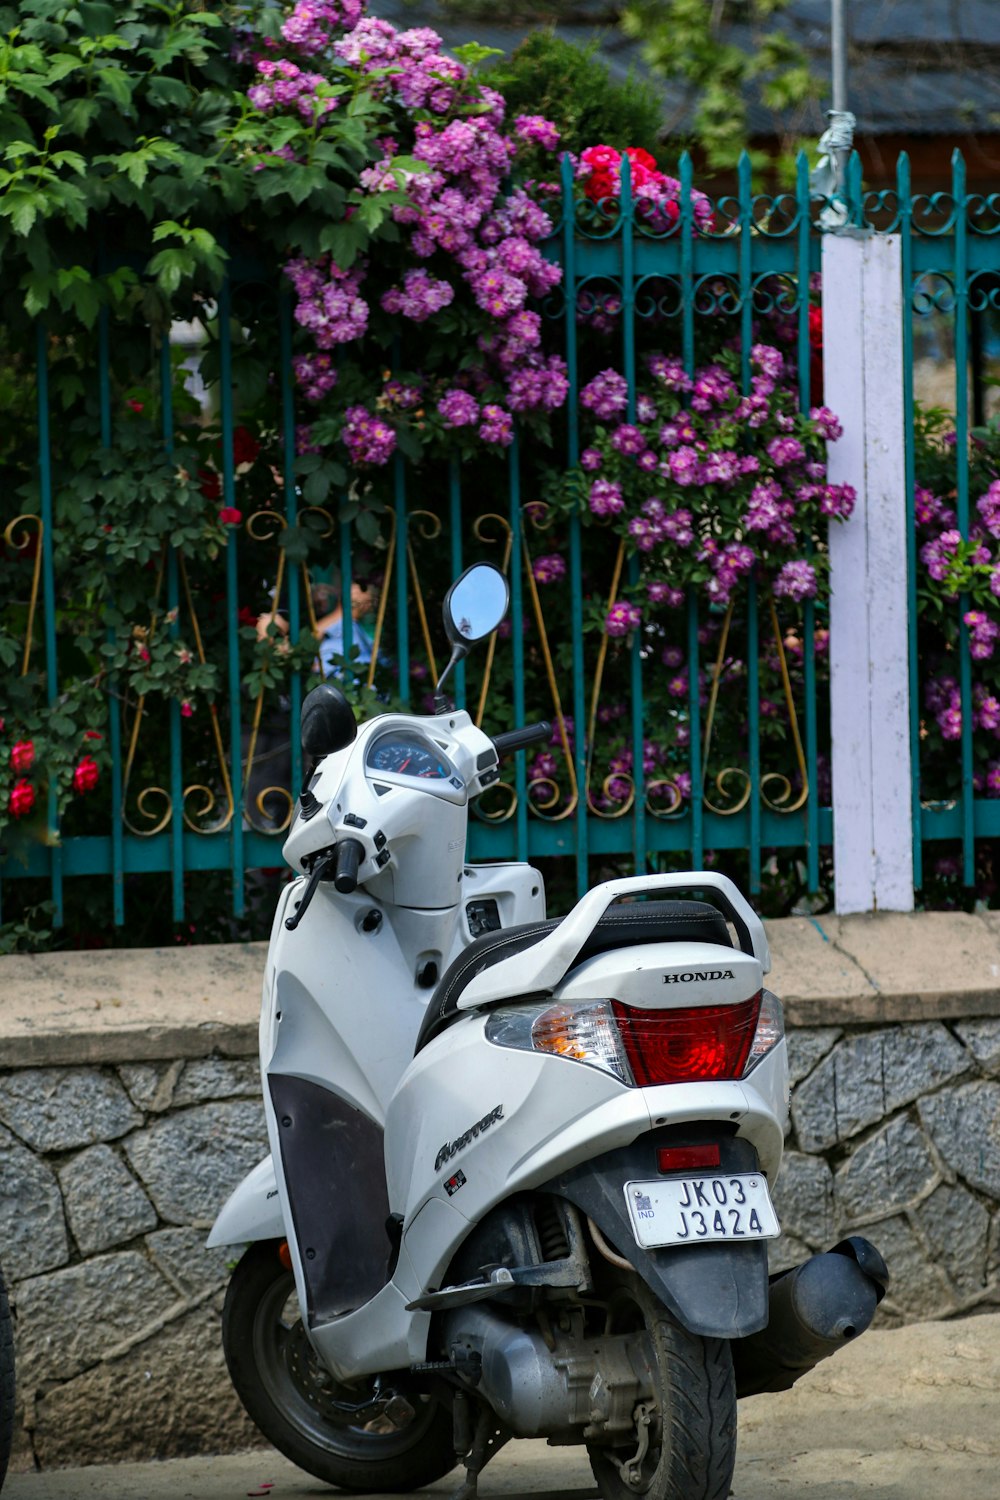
(684, 1443)
(290, 1396)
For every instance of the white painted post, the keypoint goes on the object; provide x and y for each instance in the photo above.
(869, 644)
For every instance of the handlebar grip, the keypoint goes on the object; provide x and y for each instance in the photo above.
(520, 739)
(350, 853)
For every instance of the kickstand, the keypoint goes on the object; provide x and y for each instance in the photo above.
(489, 1438)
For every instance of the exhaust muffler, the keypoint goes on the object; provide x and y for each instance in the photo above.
(814, 1310)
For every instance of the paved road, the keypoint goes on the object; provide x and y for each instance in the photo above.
(912, 1414)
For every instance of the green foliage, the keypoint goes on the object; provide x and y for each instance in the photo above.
(573, 87)
(692, 44)
(121, 124)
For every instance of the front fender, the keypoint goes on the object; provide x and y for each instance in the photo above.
(252, 1212)
(715, 1290)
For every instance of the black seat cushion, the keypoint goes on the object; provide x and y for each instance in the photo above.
(623, 927)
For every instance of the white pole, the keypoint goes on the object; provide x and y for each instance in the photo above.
(869, 643)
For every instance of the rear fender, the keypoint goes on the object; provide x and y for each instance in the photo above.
(252, 1212)
(715, 1290)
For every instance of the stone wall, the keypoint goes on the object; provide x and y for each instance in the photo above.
(129, 1109)
(109, 1180)
(895, 1134)
(110, 1175)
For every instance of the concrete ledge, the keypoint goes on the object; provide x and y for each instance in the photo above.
(147, 1004)
(891, 966)
(130, 1005)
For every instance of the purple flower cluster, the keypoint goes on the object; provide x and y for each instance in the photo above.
(284, 85)
(983, 632)
(456, 210)
(756, 464)
(458, 408)
(420, 297)
(369, 440)
(605, 395)
(315, 373)
(313, 23)
(944, 700)
(497, 425)
(329, 301)
(796, 580)
(537, 131)
(549, 569)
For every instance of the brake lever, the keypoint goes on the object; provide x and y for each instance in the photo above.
(325, 863)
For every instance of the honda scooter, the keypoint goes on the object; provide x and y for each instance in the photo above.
(521, 1168)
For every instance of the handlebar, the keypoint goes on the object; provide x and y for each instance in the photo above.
(350, 853)
(520, 739)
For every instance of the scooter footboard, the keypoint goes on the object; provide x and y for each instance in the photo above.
(715, 1290)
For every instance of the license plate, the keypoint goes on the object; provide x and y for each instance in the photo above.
(689, 1210)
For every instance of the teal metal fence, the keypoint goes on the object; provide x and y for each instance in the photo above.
(762, 803)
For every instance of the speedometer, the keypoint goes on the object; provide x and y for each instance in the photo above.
(407, 757)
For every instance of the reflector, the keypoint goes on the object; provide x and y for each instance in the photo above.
(687, 1045)
(685, 1158)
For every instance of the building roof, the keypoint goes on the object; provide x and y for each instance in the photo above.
(915, 67)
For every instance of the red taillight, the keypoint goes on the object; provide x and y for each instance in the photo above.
(687, 1158)
(687, 1045)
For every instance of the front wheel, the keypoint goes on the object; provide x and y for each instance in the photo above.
(291, 1397)
(683, 1446)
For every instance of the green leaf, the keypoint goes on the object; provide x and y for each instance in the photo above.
(344, 242)
(117, 85)
(170, 268)
(169, 93)
(22, 206)
(473, 53)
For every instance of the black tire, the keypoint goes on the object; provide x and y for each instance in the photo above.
(286, 1392)
(692, 1421)
(6, 1382)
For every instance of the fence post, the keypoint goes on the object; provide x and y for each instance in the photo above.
(869, 672)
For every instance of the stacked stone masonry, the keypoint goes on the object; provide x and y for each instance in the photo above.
(111, 1175)
(109, 1180)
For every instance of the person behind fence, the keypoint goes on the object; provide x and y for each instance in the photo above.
(329, 612)
(272, 761)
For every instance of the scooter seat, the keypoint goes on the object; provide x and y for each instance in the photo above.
(645, 922)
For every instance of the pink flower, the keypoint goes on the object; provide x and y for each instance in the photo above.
(85, 774)
(549, 569)
(22, 798)
(22, 756)
(622, 617)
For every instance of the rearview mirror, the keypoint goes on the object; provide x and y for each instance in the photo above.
(475, 604)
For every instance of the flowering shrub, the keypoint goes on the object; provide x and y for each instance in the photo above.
(958, 590)
(706, 485)
(655, 195)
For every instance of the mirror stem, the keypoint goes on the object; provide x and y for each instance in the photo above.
(443, 704)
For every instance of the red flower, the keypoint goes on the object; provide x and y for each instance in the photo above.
(211, 484)
(230, 516)
(816, 355)
(640, 158)
(22, 756)
(22, 798)
(92, 734)
(85, 774)
(186, 710)
(599, 185)
(246, 615)
(134, 405)
(815, 327)
(245, 446)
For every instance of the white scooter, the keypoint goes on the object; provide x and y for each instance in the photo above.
(519, 1181)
